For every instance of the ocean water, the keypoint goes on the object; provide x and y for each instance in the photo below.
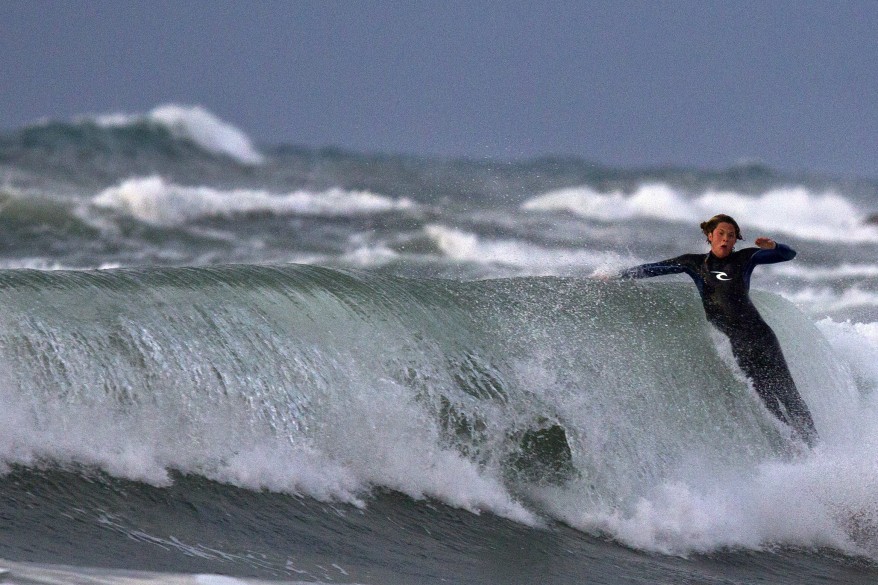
(223, 362)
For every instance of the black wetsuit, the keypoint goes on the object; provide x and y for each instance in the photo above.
(724, 285)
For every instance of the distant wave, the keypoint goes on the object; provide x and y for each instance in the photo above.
(155, 200)
(193, 123)
(796, 211)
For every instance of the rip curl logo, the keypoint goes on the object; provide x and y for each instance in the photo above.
(720, 275)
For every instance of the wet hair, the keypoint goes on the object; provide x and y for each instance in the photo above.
(708, 226)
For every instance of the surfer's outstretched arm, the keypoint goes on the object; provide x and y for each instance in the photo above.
(676, 265)
(771, 252)
(649, 270)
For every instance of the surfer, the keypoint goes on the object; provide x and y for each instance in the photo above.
(723, 280)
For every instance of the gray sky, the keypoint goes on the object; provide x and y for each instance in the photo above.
(709, 84)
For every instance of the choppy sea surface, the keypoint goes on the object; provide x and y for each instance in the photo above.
(223, 362)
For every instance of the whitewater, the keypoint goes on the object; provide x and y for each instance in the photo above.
(222, 361)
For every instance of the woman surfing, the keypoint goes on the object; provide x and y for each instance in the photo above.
(723, 280)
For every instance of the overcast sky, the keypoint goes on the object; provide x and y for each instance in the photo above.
(709, 84)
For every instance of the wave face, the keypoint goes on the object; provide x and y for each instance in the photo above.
(608, 406)
(214, 353)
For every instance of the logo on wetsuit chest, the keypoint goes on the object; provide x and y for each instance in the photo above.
(720, 275)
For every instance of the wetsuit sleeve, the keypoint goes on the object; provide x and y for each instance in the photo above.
(670, 266)
(780, 253)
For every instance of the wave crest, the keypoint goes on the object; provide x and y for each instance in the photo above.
(196, 124)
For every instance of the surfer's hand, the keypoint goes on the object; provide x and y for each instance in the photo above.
(765, 243)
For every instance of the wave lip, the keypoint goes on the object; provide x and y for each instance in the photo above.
(157, 201)
(192, 123)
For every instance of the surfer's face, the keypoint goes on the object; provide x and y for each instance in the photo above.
(722, 239)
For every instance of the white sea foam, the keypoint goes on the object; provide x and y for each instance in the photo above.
(157, 201)
(815, 502)
(193, 123)
(466, 246)
(857, 345)
(651, 200)
(403, 452)
(819, 498)
(354, 453)
(795, 211)
(34, 264)
(828, 273)
(377, 436)
(823, 300)
(369, 256)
